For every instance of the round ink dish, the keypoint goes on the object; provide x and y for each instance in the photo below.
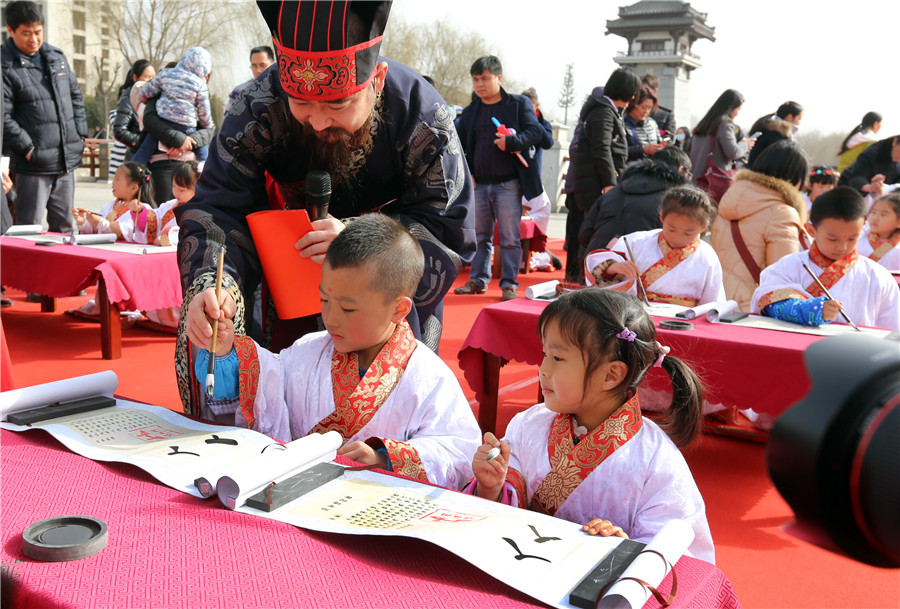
(674, 324)
(64, 538)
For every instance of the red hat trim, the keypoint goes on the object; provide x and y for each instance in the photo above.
(321, 76)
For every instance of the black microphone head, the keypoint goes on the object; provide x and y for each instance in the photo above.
(318, 194)
(318, 183)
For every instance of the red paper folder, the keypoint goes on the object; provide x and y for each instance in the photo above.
(292, 279)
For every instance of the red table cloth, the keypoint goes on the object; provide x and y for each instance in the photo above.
(168, 549)
(740, 366)
(527, 230)
(133, 281)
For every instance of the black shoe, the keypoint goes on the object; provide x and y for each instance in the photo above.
(509, 293)
(6, 302)
(471, 287)
(557, 263)
(32, 297)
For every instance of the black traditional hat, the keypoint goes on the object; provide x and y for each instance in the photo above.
(326, 50)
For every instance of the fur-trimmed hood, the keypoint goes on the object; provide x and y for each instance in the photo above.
(773, 123)
(753, 191)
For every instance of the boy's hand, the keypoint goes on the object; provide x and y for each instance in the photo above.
(362, 453)
(198, 324)
(491, 475)
(831, 309)
(315, 243)
(225, 337)
(626, 267)
(604, 528)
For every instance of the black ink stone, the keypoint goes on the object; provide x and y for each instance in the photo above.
(64, 538)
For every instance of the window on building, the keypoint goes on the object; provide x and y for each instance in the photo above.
(78, 20)
(78, 42)
(80, 69)
(653, 45)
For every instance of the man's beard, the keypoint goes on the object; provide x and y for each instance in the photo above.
(337, 151)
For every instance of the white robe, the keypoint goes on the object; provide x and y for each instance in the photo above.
(427, 408)
(171, 226)
(890, 261)
(126, 224)
(639, 487)
(868, 291)
(698, 276)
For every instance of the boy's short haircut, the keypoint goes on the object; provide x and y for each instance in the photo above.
(383, 248)
(689, 201)
(23, 12)
(843, 203)
(489, 63)
(672, 156)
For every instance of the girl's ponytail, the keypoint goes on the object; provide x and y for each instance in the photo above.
(146, 193)
(682, 422)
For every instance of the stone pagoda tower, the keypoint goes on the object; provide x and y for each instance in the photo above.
(660, 34)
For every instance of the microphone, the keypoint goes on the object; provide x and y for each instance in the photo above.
(318, 194)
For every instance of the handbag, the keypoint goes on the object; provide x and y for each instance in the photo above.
(714, 180)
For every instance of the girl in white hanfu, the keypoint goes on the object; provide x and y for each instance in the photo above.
(586, 454)
(674, 264)
(184, 185)
(131, 215)
(880, 239)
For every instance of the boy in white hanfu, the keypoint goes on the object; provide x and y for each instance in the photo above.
(862, 288)
(674, 264)
(393, 400)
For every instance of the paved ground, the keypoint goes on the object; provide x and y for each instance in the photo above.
(93, 194)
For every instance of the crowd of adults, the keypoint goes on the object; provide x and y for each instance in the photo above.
(622, 161)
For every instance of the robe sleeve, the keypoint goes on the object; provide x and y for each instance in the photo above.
(806, 312)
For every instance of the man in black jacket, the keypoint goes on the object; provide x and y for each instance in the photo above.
(44, 122)
(499, 171)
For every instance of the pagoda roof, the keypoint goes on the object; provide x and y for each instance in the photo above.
(649, 15)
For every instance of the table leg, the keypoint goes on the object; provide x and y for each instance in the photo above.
(487, 410)
(110, 324)
(48, 304)
(526, 256)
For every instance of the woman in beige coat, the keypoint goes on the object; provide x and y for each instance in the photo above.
(766, 207)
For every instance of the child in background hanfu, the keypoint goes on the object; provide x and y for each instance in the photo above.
(184, 185)
(880, 240)
(674, 264)
(131, 215)
(392, 399)
(862, 288)
(586, 454)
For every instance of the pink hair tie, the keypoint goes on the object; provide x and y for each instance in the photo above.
(627, 334)
(663, 352)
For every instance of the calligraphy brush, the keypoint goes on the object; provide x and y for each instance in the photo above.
(211, 367)
(830, 297)
(639, 282)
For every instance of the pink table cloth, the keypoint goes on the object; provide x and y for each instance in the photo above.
(740, 366)
(133, 281)
(168, 549)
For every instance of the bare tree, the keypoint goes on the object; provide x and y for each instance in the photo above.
(567, 93)
(161, 30)
(441, 52)
(104, 90)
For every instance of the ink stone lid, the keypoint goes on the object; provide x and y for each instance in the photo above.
(64, 538)
(674, 324)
